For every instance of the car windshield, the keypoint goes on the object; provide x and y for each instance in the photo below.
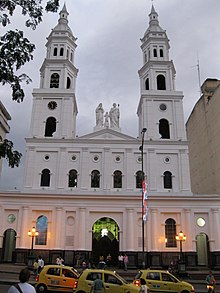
(75, 271)
(122, 279)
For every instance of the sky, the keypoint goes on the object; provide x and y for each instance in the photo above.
(108, 57)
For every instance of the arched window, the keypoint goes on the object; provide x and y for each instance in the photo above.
(61, 51)
(68, 82)
(95, 179)
(161, 82)
(155, 52)
(50, 127)
(161, 52)
(117, 179)
(147, 84)
(71, 56)
(139, 179)
(72, 178)
(167, 180)
(164, 129)
(54, 80)
(41, 226)
(55, 51)
(45, 178)
(170, 233)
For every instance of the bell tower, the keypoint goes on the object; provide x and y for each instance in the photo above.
(54, 103)
(160, 105)
(54, 110)
(160, 111)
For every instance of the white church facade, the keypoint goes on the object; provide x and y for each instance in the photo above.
(84, 194)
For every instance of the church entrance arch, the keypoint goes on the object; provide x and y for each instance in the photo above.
(202, 249)
(105, 240)
(9, 244)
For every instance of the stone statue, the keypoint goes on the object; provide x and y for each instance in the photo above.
(99, 115)
(106, 123)
(114, 115)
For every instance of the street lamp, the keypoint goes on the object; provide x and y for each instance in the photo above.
(141, 148)
(32, 233)
(181, 237)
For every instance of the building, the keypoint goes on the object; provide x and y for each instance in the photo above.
(203, 132)
(84, 194)
(4, 126)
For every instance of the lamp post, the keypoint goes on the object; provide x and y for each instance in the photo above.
(141, 148)
(181, 237)
(32, 233)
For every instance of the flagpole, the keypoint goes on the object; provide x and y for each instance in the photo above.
(141, 148)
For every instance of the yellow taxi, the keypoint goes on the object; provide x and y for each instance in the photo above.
(56, 278)
(113, 282)
(162, 281)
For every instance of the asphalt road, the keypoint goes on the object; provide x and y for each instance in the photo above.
(198, 288)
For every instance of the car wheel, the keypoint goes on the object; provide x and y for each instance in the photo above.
(41, 288)
(185, 291)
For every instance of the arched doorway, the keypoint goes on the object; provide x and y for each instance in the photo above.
(9, 244)
(202, 249)
(105, 239)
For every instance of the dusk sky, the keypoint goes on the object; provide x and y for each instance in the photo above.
(108, 57)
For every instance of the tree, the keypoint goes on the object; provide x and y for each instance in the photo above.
(15, 51)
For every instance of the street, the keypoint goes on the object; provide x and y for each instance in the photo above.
(199, 288)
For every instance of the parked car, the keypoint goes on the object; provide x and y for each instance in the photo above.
(113, 282)
(56, 278)
(162, 281)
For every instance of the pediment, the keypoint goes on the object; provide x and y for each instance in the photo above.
(107, 134)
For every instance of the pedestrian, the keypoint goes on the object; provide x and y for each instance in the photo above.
(143, 288)
(108, 260)
(120, 261)
(40, 264)
(59, 260)
(97, 285)
(125, 258)
(210, 280)
(23, 286)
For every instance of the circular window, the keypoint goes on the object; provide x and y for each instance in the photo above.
(118, 159)
(46, 157)
(167, 160)
(70, 221)
(73, 158)
(52, 105)
(96, 158)
(11, 218)
(163, 107)
(200, 222)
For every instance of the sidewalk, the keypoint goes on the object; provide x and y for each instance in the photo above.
(9, 273)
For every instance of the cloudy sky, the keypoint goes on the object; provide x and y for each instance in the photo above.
(108, 57)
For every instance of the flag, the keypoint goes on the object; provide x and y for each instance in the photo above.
(145, 195)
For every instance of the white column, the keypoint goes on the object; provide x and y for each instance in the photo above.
(1, 227)
(83, 175)
(188, 230)
(59, 227)
(130, 229)
(154, 230)
(215, 229)
(82, 229)
(25, 224)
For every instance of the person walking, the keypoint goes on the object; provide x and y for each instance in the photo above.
(23, 286)
(40, 264)
(97, 285)
(143, 288)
